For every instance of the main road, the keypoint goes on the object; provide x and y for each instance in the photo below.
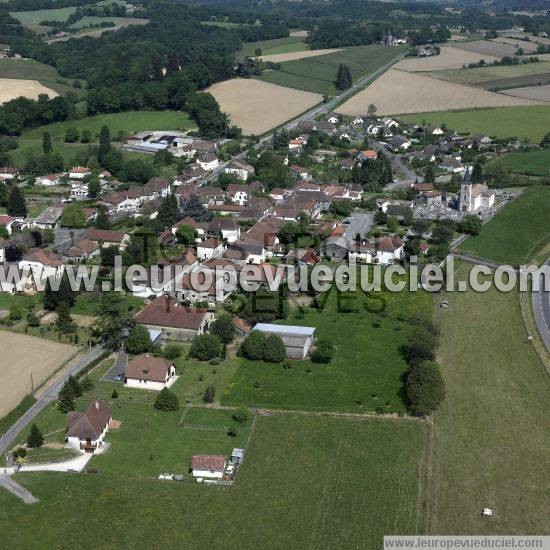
(47, 396)
(541, 308)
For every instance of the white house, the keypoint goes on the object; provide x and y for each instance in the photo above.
(86, 430)
(208, 466)
(240, 169)
(208, 162)
(474, 196)
(389, 249)
(211, 248)
(150, 373)
(79, 172)
(438, 131)
(42, 264)
(358, 120)
(8, 173)
(238, 193)
(50, 180)
(333, 119)
(79, 191)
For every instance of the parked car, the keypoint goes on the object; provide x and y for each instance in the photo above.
(119, 377)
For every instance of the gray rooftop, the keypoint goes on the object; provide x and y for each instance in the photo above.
(285, 329)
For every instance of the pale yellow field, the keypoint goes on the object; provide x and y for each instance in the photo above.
(11, 88)
(21, 356)
(400, 92)
(541, 93)
(258, 106)
(449, 58)
(293, 56)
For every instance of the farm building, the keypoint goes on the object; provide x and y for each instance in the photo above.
(210, 466)
(86, 430)
(150, 373)
(297, 340)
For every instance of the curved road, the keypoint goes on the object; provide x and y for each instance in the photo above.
(541, 307)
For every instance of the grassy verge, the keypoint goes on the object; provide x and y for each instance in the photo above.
(491, 432)
(7, 421)
(515, 234)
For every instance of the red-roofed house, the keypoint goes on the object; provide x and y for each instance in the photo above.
(209, 466)
(79, 172)
(369, 154)
(7, 222)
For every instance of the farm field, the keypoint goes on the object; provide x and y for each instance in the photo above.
(92, 20)
(505, 85)
(540, 93)
(502, 241)
(41, 358)
(293, 56)
(32, 19)
(365, 374)
(398, 92)
(528, 47)
(258, 106)
(11, 88)
(317, 74)
(490, 433)
(370, 470)
(275, 46)
(451, 57)
(534, 163)
(33, 70)
(523, 122)
(483, 74)
(487, 48)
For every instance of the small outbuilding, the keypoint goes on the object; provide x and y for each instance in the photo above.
(237, 456)
(209, 466)
(297, 340)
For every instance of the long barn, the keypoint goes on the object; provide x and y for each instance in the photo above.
(297, 340)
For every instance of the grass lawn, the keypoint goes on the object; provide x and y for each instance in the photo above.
(87, 303)
(306, 482)
(364, 375)
(32, 19)
(29, 69)
(277, 45)
(491, 433)
(93, 20)
(516, 233)
(523, 122)
(532, 163)
(317, 74)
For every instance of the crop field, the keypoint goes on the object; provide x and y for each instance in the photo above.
(487, 48)
(293, 56)
(533, 163)
(490, 434)
(258, 106)
(522, 122)
(12, 88)
(484, 74)
(365, 374)
(532, 38)
(539, 93)
(275, 46)
(317, 74)
(397, 92)
(314, 475)
(451, 57)
(518, 82)
(515, 233)
(528, 47)
(22, 356)
(29, 69)
(32, 19)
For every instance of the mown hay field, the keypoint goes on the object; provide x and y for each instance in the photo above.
(451, 57)
(292, 56)
(258, 106)
(528, 47)
(485, 74)
(488, 47)
(11, 88)
(25, 355)
(398, 92)
(541, 93)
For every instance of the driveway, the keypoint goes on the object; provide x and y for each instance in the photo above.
(119, 367)
(19, 491)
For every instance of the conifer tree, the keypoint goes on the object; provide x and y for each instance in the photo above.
(46, 143)
(17, 205)
(35, 438)
(167, 401)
